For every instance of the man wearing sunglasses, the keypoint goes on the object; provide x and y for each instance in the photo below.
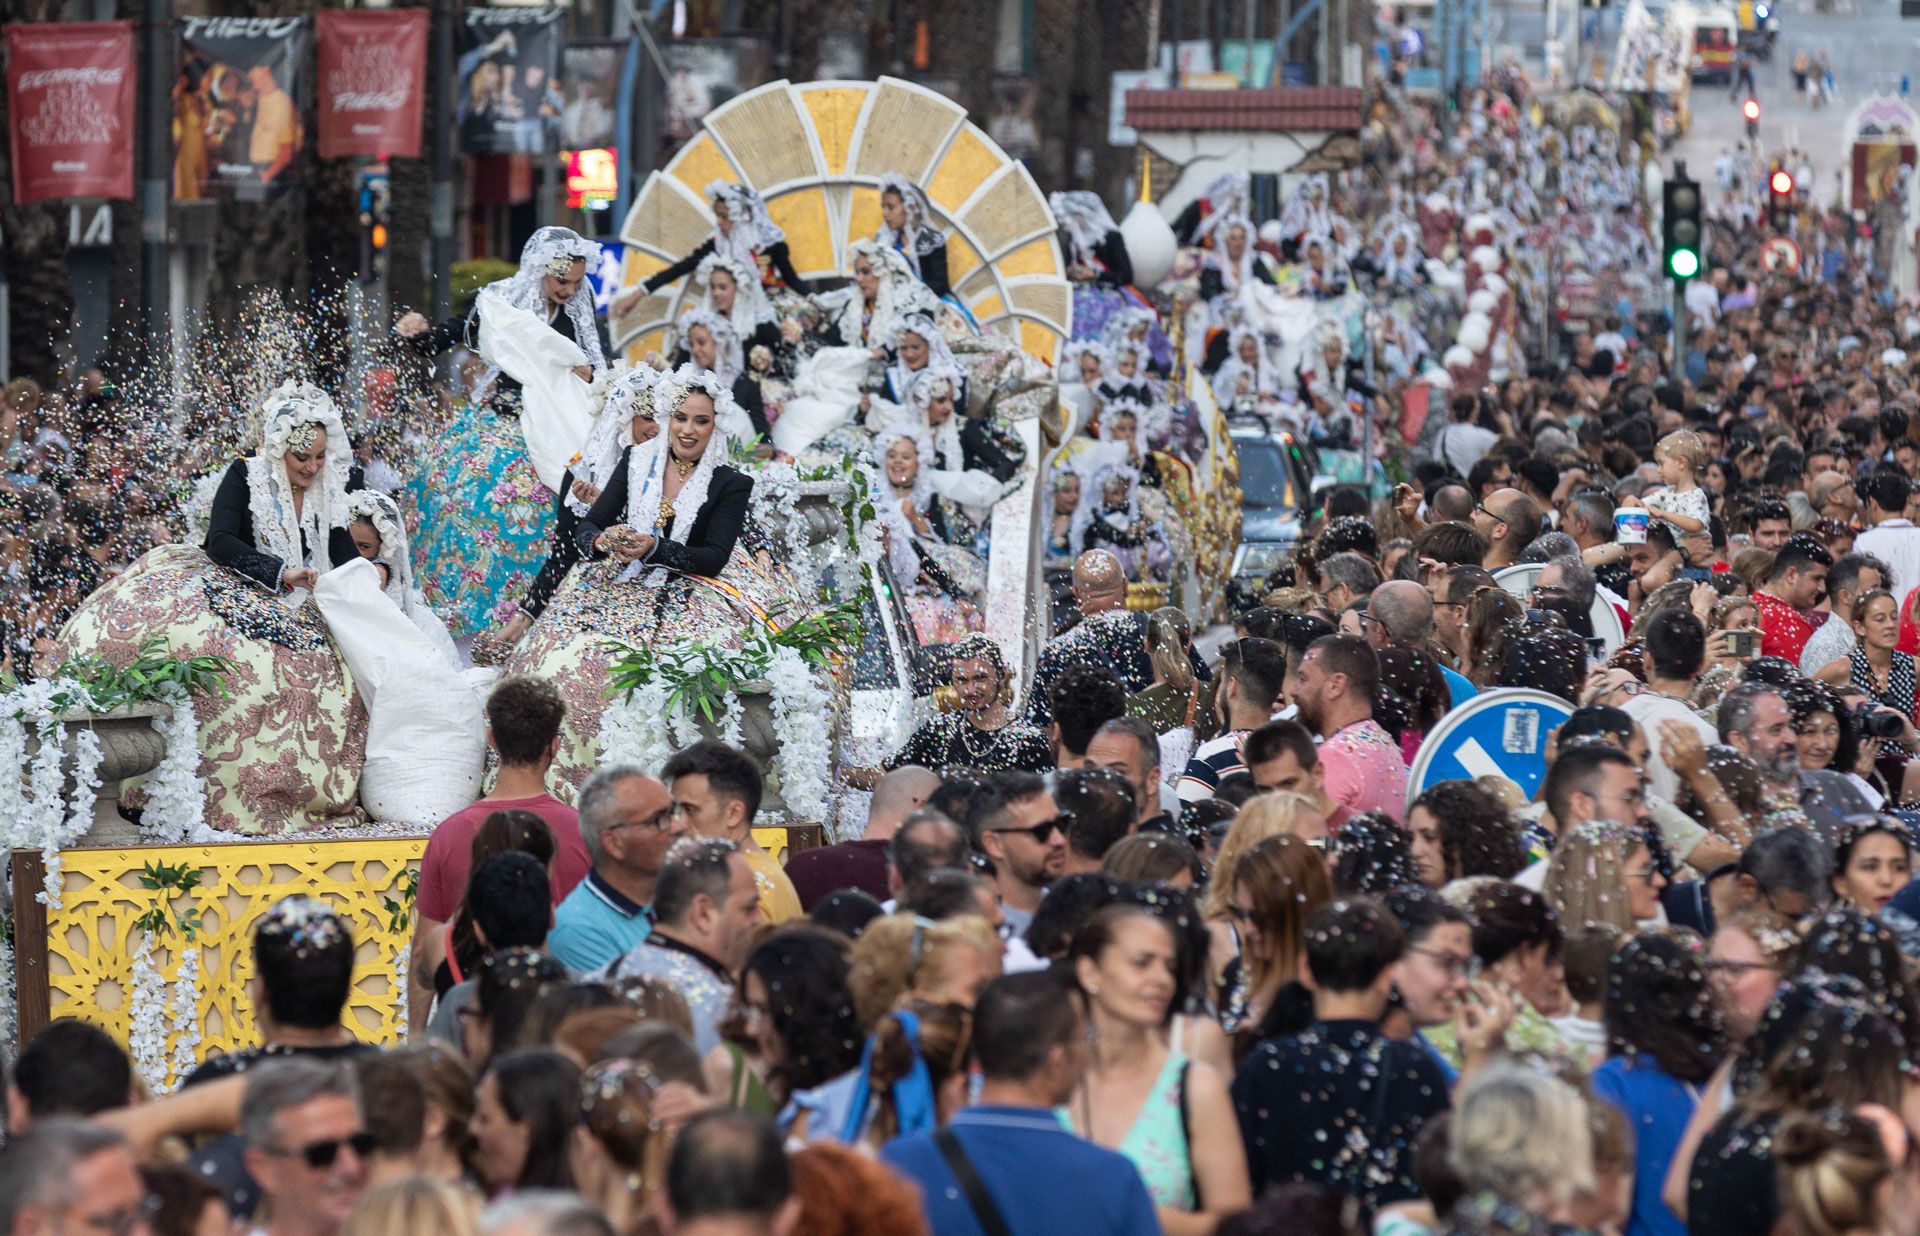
(1510, 521)
(1015, 823)
(307, 1144)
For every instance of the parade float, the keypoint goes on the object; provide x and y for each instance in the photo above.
(148, 933)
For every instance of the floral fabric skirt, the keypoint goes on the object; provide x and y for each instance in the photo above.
(480, 520)
(568, 646)
(282, 751)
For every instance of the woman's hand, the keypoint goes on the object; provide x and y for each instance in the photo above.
(1702, 599)
(1717, 648)
(583, 372)
(411, 324)
(866, 404)
(877, 353)
(623, 304)
(1485, 1014)
(586, 491)
(299, 577)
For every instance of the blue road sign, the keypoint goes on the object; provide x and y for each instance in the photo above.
(1499, 733)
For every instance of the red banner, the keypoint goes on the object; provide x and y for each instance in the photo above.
(70, 95)
(373, 63)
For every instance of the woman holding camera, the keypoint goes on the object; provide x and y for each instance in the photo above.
(1875, 666)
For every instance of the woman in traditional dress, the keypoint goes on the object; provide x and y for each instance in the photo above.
(743, 231)
(1326, 272)
(666, 560)
(481, 504)
(929, 540)
(282, 745)
(625, 419)
(1232, 265)
(1109, 518)
(1123, 425)
(857, 329)
(380, 535)
(1096, 251)
(969, 446)
(917, 347)
(1245, 381)
(1139, 324)
(907, 228)
(711, 344)
(1227, 197)
(732, 291)
(1126, 377)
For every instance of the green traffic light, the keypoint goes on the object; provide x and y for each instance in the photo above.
(1684, 264)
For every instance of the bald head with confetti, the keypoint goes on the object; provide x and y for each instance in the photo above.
(1099, 584)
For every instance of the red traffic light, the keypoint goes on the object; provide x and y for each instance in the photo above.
(1751, 109)
(1781, 182)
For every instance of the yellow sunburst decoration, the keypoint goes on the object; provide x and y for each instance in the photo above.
(816, 151)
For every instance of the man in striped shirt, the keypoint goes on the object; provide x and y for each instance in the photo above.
(1252, 673)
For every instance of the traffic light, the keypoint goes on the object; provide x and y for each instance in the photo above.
(1680, 227)
(1780, 200)
(1751, 109)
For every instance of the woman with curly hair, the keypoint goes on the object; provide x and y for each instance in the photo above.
(1517, 940)
(794, 1011)
(903, 955)
(1460, 830)
(1371, 857)
(1665, 1038)
(845, 1193)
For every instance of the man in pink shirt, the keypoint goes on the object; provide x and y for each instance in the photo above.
(523, 727)
(1360, 763)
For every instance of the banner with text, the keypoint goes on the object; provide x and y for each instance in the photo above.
(70, 94)
(372, 65)
(237, 102)
(509, 102)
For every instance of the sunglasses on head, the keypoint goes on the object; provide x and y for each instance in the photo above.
(321, 1155)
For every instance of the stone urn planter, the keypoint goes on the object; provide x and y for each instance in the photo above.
(819, 505)
(129, 747)
(759, 739)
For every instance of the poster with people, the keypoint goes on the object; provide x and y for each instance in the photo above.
(238, 97)
(70, 98)
(372, 65)
(591, 78)
(509, 102)
(704, 73)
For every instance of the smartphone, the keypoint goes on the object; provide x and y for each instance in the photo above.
(1743, 644)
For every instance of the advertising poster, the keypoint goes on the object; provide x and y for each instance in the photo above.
(237, 101)
(509, 102)
(70, 95)
(372, 67)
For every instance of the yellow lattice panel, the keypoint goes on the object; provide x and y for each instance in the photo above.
(803, 216)
(1043, 299)
(666, 220)
(1036, 257)
(700, 163)
(766, 132)
(981, 280)
(650, 310)
(638, 264)
(835, 112)
(1012, 210)
(962, 258)
(774, 842)
(863, 213)
(637, 350)
(989, 308)
(91, 936)
(1038, 340)
(905, 127)
(963, 169)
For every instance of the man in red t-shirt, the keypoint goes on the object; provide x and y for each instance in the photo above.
(1795, 583)
(523, 727)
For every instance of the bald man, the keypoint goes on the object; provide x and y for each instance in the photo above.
(1400, 615)
(862, 864)
(1111, 635)
(1510, 521)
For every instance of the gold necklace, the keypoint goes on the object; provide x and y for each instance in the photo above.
(684, 467)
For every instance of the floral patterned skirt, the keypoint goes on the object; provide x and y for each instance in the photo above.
(480, 520)
(567, 647)
(282, 751)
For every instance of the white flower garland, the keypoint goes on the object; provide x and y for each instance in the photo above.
(732, 713)
(183, 1017)
(402, 971)
(34, 811)
(147, 1035)
(633, 729)
(799, 706)
(176, 796)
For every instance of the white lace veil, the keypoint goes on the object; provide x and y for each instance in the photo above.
(1085, 219)
(277, 530)
(900, 534)
(549, 251)
(939, 355)
(627, 394)
(750, 305)
(751, 229)
(919, 237)
(646, 464)
(728, 357)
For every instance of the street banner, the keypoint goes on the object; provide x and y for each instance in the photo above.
(372, 67)
(70, 95)
(237, 103)
(509, 102)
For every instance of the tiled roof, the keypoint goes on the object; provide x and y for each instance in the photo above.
(1265, 111)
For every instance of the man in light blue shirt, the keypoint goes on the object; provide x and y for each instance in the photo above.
(628, 822)
(1020, 1160)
